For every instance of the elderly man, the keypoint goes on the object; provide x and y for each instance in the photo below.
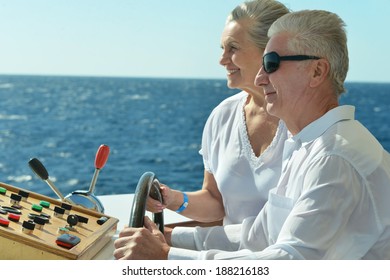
(332, 199)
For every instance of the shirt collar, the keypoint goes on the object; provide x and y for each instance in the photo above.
(319, 126)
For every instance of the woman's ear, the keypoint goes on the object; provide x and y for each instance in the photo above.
(320, 71)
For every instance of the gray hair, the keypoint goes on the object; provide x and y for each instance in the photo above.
(319, 33)
(261, 14)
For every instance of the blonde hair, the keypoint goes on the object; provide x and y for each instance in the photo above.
(320, 33)
(261, 14)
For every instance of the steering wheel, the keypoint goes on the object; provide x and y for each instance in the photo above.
(148, 185)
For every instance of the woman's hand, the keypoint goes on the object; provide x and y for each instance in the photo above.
(156, 206)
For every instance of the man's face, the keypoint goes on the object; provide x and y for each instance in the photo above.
(285, 88)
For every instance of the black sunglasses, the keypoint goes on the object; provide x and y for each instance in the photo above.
(271, 60)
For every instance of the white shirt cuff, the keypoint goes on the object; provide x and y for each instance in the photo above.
(183, 254)
(183, 237)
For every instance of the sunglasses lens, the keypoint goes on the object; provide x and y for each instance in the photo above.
(271, 62)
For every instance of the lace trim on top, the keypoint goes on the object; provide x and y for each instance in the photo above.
(255, 161)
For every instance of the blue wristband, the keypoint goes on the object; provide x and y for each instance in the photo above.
(184, 205)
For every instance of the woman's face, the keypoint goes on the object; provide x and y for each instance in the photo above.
(240, 56)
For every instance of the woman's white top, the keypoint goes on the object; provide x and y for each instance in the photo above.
(243, 179)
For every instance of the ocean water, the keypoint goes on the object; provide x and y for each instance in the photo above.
(149, 124)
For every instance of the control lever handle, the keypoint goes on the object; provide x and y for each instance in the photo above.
(41, 171)
(100, 160)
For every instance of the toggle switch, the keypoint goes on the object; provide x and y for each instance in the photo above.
(15, 200)
(45, 215)
(45, 218)
(39, 222)
(67, 208)
(102, 220)
(44, 204)
(4, 222)
(67, 240)
(82, 219)
(58, 212)
(72, 221)
(13, 217)
(28, 227)
(11, 210)
(62, 230)
(24, 195)
(3, 191)
(37, 208)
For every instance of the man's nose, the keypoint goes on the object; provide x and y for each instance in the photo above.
(261, 78)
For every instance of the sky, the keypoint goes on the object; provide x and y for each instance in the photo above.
(161, 38)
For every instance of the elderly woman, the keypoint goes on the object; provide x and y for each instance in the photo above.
(241, 144)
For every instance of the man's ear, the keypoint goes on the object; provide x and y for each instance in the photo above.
(320, 71)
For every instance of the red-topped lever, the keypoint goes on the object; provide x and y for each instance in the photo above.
(100, 160)
(88, 199)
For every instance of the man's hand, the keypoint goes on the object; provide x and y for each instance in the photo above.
(146, 243)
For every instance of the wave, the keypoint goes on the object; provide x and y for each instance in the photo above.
(6, 85)
(13, 117)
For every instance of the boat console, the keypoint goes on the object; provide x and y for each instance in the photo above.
(34, 226)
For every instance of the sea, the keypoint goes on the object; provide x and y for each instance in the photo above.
(150, 125)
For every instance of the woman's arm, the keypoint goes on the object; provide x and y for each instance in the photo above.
(205, 205)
